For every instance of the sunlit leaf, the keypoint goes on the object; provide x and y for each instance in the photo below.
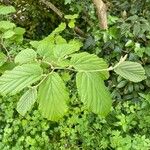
(90, 63)
(93, 92)
(52, 97)
(13, 81)
(25, 56)
(132, 71)
(4, 10)
(26, 101)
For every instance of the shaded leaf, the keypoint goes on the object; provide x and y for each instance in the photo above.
(147, 51)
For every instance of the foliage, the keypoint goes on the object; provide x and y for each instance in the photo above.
(71, 70)
(125, 128)
(58, 54)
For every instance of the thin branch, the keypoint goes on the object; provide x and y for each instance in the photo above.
(102, 13)
(8, 55)
(122, 59)
(44, 77)
(61, 15)
(53, 7)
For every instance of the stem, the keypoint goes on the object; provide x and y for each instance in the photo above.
(45, 76)
(48, 63)
(61, 68)
(8, 55)
(122, 59)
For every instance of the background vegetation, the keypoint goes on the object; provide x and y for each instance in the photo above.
(127, 127)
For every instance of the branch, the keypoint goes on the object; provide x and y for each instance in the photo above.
(102, 13)
(61, 15)
(53, 7)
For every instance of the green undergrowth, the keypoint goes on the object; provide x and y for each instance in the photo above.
(126, 127)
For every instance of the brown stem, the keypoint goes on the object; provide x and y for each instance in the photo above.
(53, 7)
(102, 13)
(61, 15)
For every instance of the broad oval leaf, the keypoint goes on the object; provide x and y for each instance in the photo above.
(19, 31)
(90, 63)
(93, 93)
(8, 34)
(61, 50)
(26, 101)
(20, 77)
(4, 10)
(45, 48)
(6, 25)
(52, 96)
(25, 56)
(132, 71)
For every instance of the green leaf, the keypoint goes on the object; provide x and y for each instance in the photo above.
(147, 70)
(147, 51)
(129, 43)
(19, 31)
(45, 48)
(132, 71)
(25, 56)
(136, 28)
(90, 63)
(26, 101)
(52, 97)
(93, 92)
(35, 44)
(20, 77)
(60, 40)
(61, 50)
(8, 34)
(68, 2)
(71, 24)
(3, 58)
(4, 10)
(6, 25)
(7, 66)
(71, 16)
(59, 29)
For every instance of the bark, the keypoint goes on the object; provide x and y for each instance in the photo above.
(102, 13)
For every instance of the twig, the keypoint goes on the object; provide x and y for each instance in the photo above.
(61, 15)
(8, 55)
(44, 77)
(53, 7)
(122, 59)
